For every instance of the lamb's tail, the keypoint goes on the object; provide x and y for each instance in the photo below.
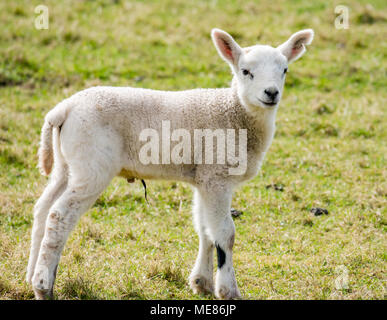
(54, 119)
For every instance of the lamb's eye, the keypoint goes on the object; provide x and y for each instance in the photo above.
(285, 70)
(247, 73)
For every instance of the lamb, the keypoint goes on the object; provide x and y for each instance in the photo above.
(93, 136)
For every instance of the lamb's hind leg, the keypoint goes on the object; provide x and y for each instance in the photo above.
(51, 193)
(83, 189)
(201, 278)
(221, 229)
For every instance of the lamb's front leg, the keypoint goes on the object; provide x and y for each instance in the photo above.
(221, 229)
(201, 278)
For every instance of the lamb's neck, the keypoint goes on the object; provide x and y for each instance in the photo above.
(260, 123)
(257, 116)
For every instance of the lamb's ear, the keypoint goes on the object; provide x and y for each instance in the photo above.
(294, 48)
(228, 49)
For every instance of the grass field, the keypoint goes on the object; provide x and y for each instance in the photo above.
(329, 150)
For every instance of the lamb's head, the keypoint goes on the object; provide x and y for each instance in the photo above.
(260, 71)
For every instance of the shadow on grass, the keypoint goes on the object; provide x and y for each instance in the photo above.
(169, 273)
(130, 292)
(79, 289)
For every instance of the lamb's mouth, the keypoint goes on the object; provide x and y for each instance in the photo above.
(269, 104)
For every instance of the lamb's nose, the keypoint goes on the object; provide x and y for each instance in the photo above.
(271, 92)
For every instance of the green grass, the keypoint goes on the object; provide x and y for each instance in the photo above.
(329, 150)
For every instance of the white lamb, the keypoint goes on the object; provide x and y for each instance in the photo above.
(94, 135)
